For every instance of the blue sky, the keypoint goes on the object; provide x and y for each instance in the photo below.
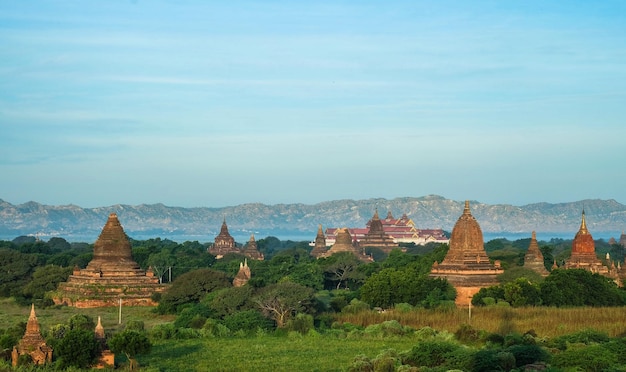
(201, 103)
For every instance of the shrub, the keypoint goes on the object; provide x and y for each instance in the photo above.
(467, 334)
(587, 337)
(385, 329)
(361, 363)
(247, 321)
(163, 331)
(425, 333)
(429, 353)
(528, 354)
(355, 306)
(193, 316)
(486, 360)
(301, 323)
(135, 325)
(387, 361)
(213, 328)
(594, 358)
(403, 307)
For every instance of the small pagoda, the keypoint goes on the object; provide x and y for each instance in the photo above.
(251, 250)
(584, 256)
(106, 359)
(533, 259)
(111, 276)
(344, 243)
(319, 247)
(243, 275)
(377, 237)
(466, 265)
(32, 344)
(224, 243)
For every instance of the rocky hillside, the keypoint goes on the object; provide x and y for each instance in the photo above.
(158, 220)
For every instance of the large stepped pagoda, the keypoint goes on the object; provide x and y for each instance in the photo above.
(111, 276)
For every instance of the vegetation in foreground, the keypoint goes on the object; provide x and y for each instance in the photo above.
(336, 313)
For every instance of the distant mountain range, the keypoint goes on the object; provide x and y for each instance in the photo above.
(283, 220)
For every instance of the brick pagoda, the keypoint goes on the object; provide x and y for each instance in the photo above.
(32, 344)
(319, 247)
(344, 243)
(533, 259)
(111, 275)
(466, 265)
(377, 237)
(251, 250)
(224, 243)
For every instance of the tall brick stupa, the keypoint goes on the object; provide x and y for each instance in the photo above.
(466, 265)
(112, 275)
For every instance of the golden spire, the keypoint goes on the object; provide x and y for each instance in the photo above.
(466, 210)
(583, 224)
(534, 235)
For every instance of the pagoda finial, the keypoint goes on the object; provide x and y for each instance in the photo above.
(466, 210)
(583, 223)
(534, 235)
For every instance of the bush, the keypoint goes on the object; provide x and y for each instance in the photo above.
(594, 358)
(429, 353)
(386, 329)
(163, 331)
(403, 307)
(135, 325)
(587, 337)
(213, 328)
(301, 323)
(528, 354)
(486, 360)
(387, 361)
(193, 316)
(361, 363)
(467, 334)
(355, 306)
(247, 321)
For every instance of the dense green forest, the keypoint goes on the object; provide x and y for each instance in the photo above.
(293, 293)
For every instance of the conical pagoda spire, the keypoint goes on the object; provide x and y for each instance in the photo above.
(32, 326)
(583, 224)
(112, 244)
(99, 331)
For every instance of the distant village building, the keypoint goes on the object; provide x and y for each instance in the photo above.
(224, 243)
(533, 259)
(251, 250)
(344, 243)
(243, 275)
(32, 344)
(111, 276)
(466, 265)
(319, 247)
(401, 230)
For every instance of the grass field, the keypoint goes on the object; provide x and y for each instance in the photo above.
(544, 321)
(266, 353)
(323, 352)
(11, 314)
